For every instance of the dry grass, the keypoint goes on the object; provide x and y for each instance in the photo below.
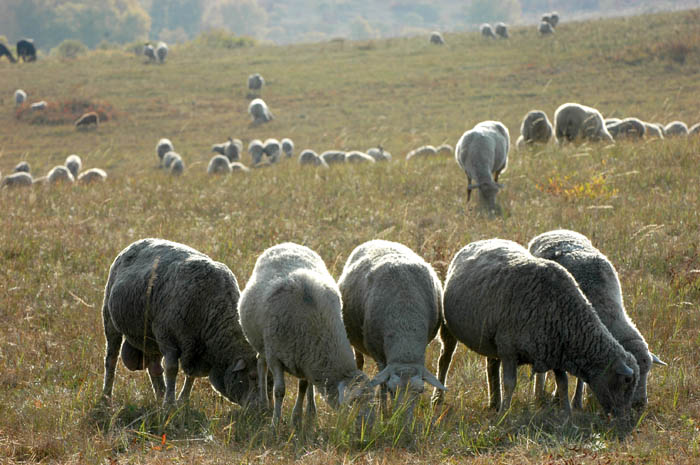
(638, 202)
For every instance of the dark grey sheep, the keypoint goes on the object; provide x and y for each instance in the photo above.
(534, 128)
(18, 179)
(486, 30)
(502, 30)
(436, 38)
(74, 164)
(628, 128)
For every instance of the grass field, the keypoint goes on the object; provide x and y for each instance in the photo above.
(637, 201)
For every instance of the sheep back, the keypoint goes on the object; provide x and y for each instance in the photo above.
(575, 121)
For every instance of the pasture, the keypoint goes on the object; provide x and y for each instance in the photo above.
(637, 201)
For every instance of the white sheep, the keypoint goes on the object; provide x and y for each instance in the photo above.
(74, 164)
(676, 128)
(92, 175)
(420, 152)
(40, 105)
(573, 121)
(534, 128)
(486, 30)
(356, 156)
(444, 149)
(219, 164)
(379, 154)
(149, 52)
(231, 149)
(20, 97)
(290, 312)
(272, 148)
(502, 30)
(162, 51)
(19, 179)
(288, 147)
(165, 300)
(599, 282)
(238, 166)
(392, 306)
(653, 130)
(694, 129)
(22, 167)
(632, 128)
(333, 156)
(513, 308)
(256, 150)
(60, 174)
(169, 158)
(482, 152)
(309, 157)
(177, 167)
(552, 18)
(436, 38)
(162, 147)
(545, 28)
(255, 82)
(259, 111)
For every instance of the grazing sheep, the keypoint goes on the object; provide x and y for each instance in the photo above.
(676, 128)
(92, 175)
(445, 149)
(486, 30)
(259, 111)
(575, 121)
(599, 282)
(60, 174)
(553, 18)
(482, 152)
(309, 157)
(694, 129)
(379, 154)
(255, 82)
(162, 147)
(516, 309)
(256, 150)
(653, 130)
(177, 167)
(544, 28)
(22, 167)
(290, 312)
(20, 97)
(40, 105)
(26, 51)
(18, 179)
(219, 164)
(436, 38)
(74, 164)
(5, 52)
(358, 157)
(632, 128)
(87, 119)
(232, 149)
(420, 152)
(161, 51)
(169, 158)
(288, 147)
(534, 128)
(502, 30)
(170, 301)
(272, 148)
(333, 156)
(149, 52)
(238, 166)
(392, 302)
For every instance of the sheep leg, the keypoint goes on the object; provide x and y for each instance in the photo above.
(563, 391)
(578, 395)
(186, 389)
(299, 404)
(449, 344)
(114, 343)
(155, 373)
(262, 381)
(469, 191)
(171, 367)
(493, 366)
(510, 379)
(310, 405)
(540, 383)
(359, 359)
(278, 376)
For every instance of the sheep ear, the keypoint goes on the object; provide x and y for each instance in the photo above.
(657, 360)
(380, 378)
(240, 364)
(429, 378)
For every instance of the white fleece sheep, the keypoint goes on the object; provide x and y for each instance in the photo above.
(259, 111)
(436, 38)
(502, 30)
(219, 164)
(19, 179)
(333, 156)
(309, 157)
(486, 30)
(422, 151)
(74, 164)
(288, 147)
(627, 128)
(92, 175)
(162, 51)
(60, 174)
(534, 128)
(676, 128)
(20, 97)
(162, 147)
(545, 28)
(573, 121)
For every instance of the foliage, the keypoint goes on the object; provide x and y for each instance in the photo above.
(69, 48)
(64, 113)
(220, 38)
(479, 11)
(241, 17)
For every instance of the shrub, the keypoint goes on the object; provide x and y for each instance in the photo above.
(69, 48)
(220, 38)
(66, 112)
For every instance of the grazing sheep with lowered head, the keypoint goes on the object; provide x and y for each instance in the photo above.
(544, 28)
(534, 128)
(309, 157)
(256, 150)
(676, 128)
(22, 167)
(238, 166)
(18, 179)
(444, 149)
(502, 30)
(162, 147)
(272, 148)
(694, 129)
(288, 147)
(92, 175)
(259, 111)
(515, 309)
(87, 119)
(177, 167)
(436, 38)
(255, 82)
(628, 128)
(40, 105)
(422, 151)
(333, 156)
(169, 158)
(169, 301)
(60, 174)
(161, 51)
(149, 52)
(74, 164)
(20, 97)
(573, 121)
(486, 30)
(653, 130)
(219, 164)
(379, 154)
(358, 157)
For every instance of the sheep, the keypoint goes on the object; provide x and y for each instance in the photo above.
(87, 119)
(4, 51)
(379, 154)
(177, 167)
(40, 105)
(652, 130)
(290, 312)
(169, 158)
(535, 127)
(19, 179)
(92, 175)
(255, 82)
(694, 130)
(256, 150)
(149, 52)
(22, 167)
(599, 282)
(358, 157)
(513, 308)
(436, 38)
(161, 51)
(74, 164)
(392, 305)
(545, 28)
(333, 156)
(423, 151)
(162, 147)
(238, 166)
(482, 152)
(288, 147)
(486, 30)
(232, 149)
(219, 164)
(259, 111)
(502, 30)
(444, 149)
(60, 174)
(676, 128)
(20, 97)
(26, 51)
(167, 300)
(627, 128)
(272, 148)
(574, 121)
(553, 18)
(309, 157)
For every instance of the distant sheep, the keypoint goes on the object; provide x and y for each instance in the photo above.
(259, 111)
(162, 147)
(288, 147)
(20, 97)
(436, 38)
(255, 82)
(177, 167)
(231, 149)
(379, 154)
(676, 128)
(482, 152)
(169, 158)
(238, 166)
(574, 121)
(272, 148)
(486, 30)
(87, 119)
(219, 164)
(694, 130)
(74, 164)
(420, 152)
(653, 130)
(513, 308)
(5, 52)
(162, 51)
(333, 156)
(309, 157)
(551, 18)
(290, 312)
(502, 30)
(445, 149)
(26, 51)
(256, 150)
(358, 157)
(164, 300)
(534, 128)
(38, 106)
(392, 307)
(60, 174)
(632, 128)
(19, 179)
(545, 28)
(22, 167)
(92, 175)
(149, 52)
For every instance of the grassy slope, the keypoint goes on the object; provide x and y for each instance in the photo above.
(637, 202)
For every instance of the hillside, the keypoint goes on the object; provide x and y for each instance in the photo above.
(637, 201)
